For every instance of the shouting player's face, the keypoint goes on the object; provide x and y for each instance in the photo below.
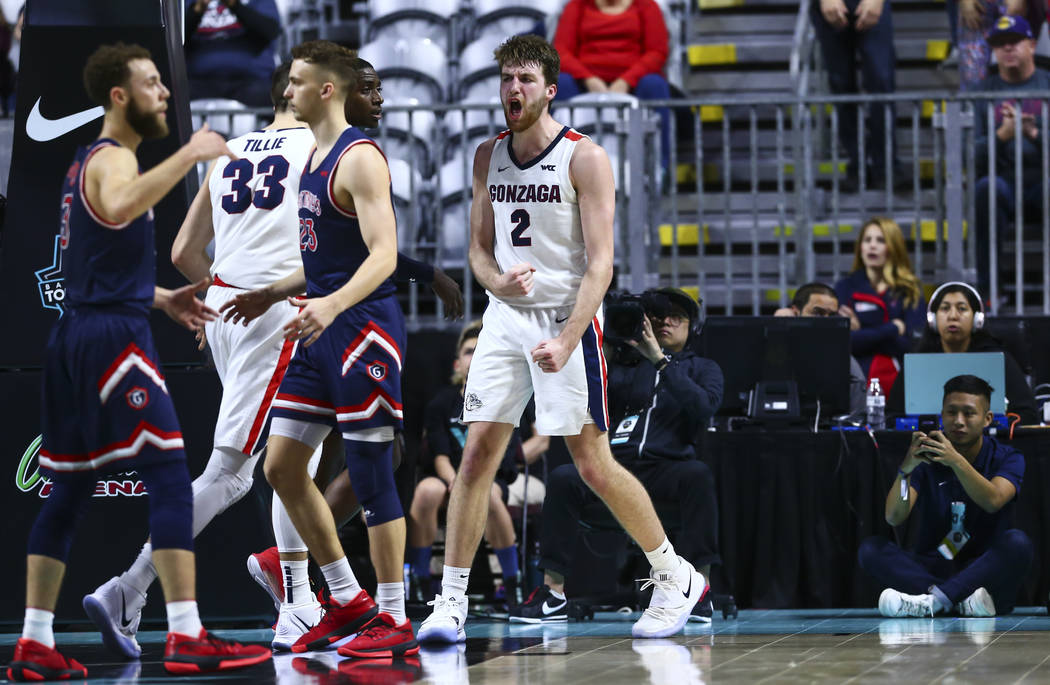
(147, 100)
(524, 94)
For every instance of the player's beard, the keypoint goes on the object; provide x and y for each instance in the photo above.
(530, 114)
(149, 125)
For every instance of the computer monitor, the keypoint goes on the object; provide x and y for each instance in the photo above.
(814, 352)
(926, 375)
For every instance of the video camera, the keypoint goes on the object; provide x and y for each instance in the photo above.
(624, 312)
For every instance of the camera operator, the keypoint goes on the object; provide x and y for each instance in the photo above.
(969, 558)
(660, 394)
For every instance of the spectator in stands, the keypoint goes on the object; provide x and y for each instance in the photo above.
(883, 299)
(1014, 46)
(660, 395)
(445, 434)
(818, 299)
(229, 49)
(847, 29)
(978, 18)
(968, 558)
(955, 323)
(615, 46)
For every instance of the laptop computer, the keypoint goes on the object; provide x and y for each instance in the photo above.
(927, 374)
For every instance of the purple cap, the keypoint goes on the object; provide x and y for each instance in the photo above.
(1009, 29)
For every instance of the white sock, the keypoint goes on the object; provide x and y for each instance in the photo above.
(38, 626)
(183, 618)
(296, 581)
(454, 581)
(391, 598)
(663, 558)
(341, 580)
(557, 595)
(142, 572)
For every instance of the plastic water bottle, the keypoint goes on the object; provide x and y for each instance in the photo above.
(876, 406)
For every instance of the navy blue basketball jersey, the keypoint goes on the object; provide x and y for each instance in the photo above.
(103, 263)
(330, 239)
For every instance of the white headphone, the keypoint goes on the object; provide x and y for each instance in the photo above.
(978, 316)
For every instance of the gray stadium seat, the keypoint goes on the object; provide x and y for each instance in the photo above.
(419, 60)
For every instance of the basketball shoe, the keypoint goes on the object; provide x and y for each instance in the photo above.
(35, 661)
(541, 606)
(205, 653)
(382, 637)
(977, 605)
(294, 621)
(675, 593)
(265, 569)
(894, 604)
(445, 624)
(116, 610)
(339, 621)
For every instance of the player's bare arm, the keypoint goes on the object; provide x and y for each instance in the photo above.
(189, 252)
(183, 305)
(121, 194)
(517, 280)
(591, 175)
(362, 181)
(252, 304)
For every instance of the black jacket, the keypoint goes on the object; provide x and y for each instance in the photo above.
(670, 408)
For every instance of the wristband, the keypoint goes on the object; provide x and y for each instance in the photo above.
(904, 484)
(662, 364)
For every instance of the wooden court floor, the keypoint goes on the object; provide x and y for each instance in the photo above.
(804, 646)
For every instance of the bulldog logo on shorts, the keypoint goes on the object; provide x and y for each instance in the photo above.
(471, 402)
(137, 397)
(377, 370)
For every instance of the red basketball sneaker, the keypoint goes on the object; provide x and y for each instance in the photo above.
(382, 637)
(265, 569)
(184, 654)
(339, 620)
(34, 661)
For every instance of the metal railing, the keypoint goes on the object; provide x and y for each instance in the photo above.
(757, 207)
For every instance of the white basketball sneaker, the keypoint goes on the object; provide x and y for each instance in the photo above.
(895, 604)
(294, 620)
(675, 593)
(445, 624)
(977, 605)
(116, 611)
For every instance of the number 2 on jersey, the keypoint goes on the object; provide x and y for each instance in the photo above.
(517, 235)
(273, 169)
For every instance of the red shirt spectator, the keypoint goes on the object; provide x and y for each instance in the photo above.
(612, 40)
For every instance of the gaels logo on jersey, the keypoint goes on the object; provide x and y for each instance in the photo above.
(525, 192)
(309, 202)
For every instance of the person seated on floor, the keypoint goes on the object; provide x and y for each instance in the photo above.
(968, 558)
(819, 299)
(955, 323)
(445, 434)
(660, 393)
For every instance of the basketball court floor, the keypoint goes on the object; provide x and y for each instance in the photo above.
(801, 646)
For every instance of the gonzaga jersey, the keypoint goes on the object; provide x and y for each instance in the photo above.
(330, 241)
(537, 219)
(256, 230)
(103, 263)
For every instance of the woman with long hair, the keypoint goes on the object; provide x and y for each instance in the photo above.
(883, 298)
(957, 317)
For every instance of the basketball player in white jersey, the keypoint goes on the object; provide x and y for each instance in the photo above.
(541, 242)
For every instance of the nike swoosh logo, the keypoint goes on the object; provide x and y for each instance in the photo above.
(125, 622)
(502, 169)
(548, 609)
(561, 320)
(689, 588)
(42, 129)
(302, 624)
